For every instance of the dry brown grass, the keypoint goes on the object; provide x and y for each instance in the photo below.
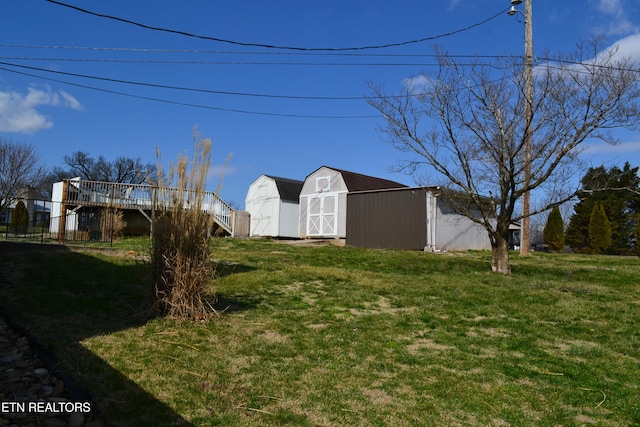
(111, 224)
(181, 267)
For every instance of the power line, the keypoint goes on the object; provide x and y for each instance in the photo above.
(234, 93)
(182, 88)
(188, 89)
(205, 91)
(183, 62)
(248, 53)
(270, 46)
(539, 60)
(147, 98)
(313, 54)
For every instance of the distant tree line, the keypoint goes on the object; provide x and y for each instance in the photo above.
(122, 169)
(606, 218)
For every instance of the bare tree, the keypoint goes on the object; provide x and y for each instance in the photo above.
(122, 169)
(19, 169)
(465, 123)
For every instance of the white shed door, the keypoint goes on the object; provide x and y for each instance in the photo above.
(261, 220)
(323, 214)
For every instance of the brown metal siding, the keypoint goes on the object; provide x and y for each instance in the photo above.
(387, 219)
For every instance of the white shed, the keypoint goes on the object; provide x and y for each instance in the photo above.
(273, 204)
(323, 200)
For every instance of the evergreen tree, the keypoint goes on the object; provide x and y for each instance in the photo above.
(553, 233)
(619, 191)
(599, 230)
(20, 218)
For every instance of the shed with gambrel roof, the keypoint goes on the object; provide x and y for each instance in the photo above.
(323, 200)
(272, 203)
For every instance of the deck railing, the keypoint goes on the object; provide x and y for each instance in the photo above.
(141, 196)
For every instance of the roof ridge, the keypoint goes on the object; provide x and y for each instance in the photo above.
(356, 181)
(283, 178)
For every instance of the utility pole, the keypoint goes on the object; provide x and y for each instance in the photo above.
(525, 233)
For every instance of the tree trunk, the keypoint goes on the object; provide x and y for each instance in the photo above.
(500, 255)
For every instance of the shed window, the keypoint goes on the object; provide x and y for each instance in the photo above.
(323, 184)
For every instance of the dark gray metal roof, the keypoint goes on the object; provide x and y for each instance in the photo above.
(359, 182)
(289, 189)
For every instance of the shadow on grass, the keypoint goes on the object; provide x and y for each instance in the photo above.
(224, 269)
(223, 303)
(62, 297)
(231, 304)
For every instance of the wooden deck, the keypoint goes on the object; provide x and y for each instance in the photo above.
(144, 198)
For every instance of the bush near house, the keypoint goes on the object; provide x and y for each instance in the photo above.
(20, 219)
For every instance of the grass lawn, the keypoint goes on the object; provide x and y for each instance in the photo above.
(332, 336)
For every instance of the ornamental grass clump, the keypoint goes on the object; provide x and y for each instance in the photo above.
(181, 266)
(112, 224)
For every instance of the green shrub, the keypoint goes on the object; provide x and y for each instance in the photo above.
(553, 233)
(20, 218)
(599, 230)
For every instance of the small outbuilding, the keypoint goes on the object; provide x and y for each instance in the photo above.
(410, 218)
(323, 200)
(273, 206)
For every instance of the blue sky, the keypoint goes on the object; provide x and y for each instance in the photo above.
(268, 107)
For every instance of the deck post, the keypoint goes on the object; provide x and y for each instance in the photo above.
(62, 223)
(153, 211)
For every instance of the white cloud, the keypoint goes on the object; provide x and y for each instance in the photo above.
(217, 171)
(629, 47)
(604, 148)
(610, 7)
(617, 18)
(70, 101)
(19, 112)
(418, 85)
(453, 4)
